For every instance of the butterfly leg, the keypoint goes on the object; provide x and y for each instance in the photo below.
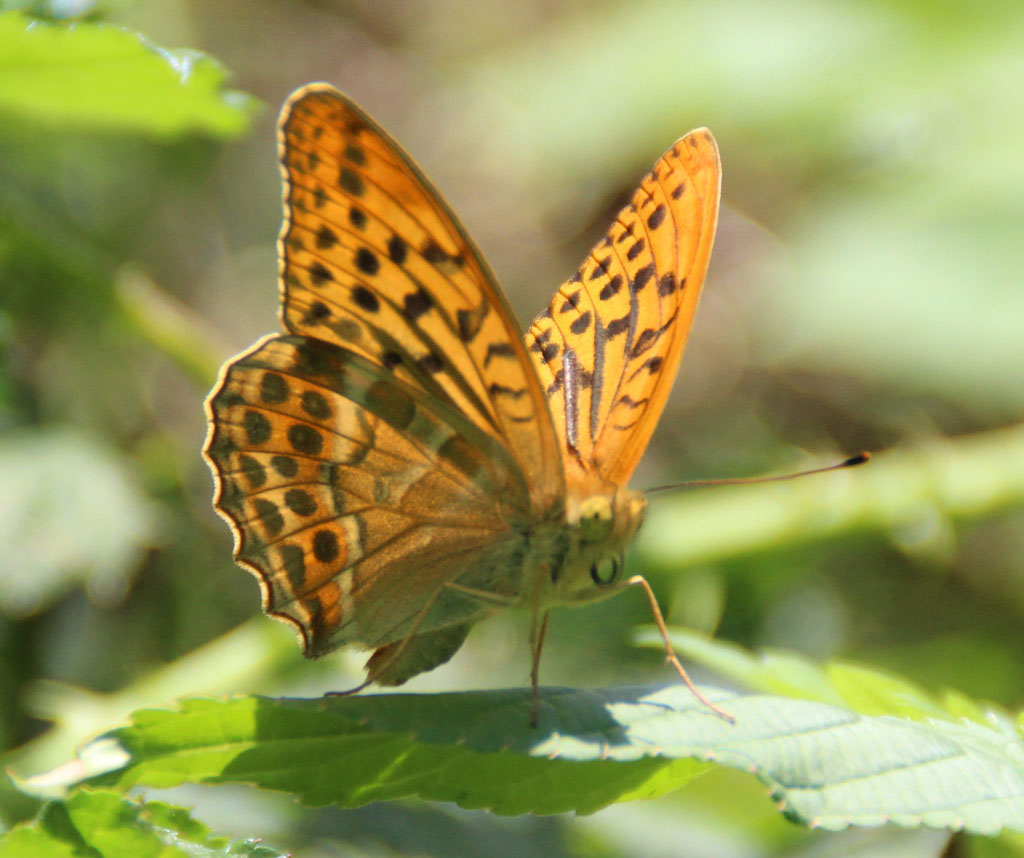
(670, 655)
(483, 595)
(537, 632)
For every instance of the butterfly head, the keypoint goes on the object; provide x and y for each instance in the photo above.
(601, 526)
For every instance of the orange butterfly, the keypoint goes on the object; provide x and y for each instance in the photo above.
(403, 462)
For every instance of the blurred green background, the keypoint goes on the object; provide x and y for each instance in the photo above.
(865, 293)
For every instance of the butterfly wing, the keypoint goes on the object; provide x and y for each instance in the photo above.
(354, 497)
(608, 345)
(372, 259)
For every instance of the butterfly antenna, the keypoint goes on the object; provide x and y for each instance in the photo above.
(853, 461)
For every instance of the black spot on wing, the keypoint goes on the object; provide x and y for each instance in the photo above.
(286, 466)
(636, 249)
(415, 304)
(470, 322)
(496, 389)
(502, 350)
(318, 311)
(667, 284)
(642, 278)
(581, 323)
(300, 502)
(646, 339)
(254, 472)
(629, 402)
(315, 405)
(305, 439)
(349, 180)
(657, 217)
(571, 302)
(325, 546)
(319, 274)
(540, 339)
(397, 249)
(294, 563)
(273, 388)
(601, 270)
(611, 288)
(367, 261)
(270, 516)
(355, 154)
(617, 326)
(652, 365)
(623, 427)
(434, 253)
(326, 237)
(365, 299)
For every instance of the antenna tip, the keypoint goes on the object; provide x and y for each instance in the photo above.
(859, 459)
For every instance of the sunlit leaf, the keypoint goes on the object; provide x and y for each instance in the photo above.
(826, 766)
(101, 76)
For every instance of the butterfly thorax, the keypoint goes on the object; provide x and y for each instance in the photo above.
(600, 526)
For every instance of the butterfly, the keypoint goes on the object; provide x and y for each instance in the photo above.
(403, 461)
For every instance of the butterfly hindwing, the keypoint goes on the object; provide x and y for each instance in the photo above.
(608, 346)
(373, 260)
(354, 498)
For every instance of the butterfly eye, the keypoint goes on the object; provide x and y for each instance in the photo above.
(595, 573)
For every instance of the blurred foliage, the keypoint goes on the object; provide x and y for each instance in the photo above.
(105, 823)
(864, 293)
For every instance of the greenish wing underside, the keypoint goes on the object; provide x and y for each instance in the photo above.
(354, 498)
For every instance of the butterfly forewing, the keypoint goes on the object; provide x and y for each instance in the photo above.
(373, 260)
(608, 346)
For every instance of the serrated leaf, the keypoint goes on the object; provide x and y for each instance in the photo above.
(104, 77)
(867, 690)
(826, 766)
(104, 823)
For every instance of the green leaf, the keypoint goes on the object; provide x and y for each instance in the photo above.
(104, 77)
(864, 689)
(826, 766)
(103, 823)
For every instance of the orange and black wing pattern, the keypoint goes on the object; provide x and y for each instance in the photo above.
(608, 345)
